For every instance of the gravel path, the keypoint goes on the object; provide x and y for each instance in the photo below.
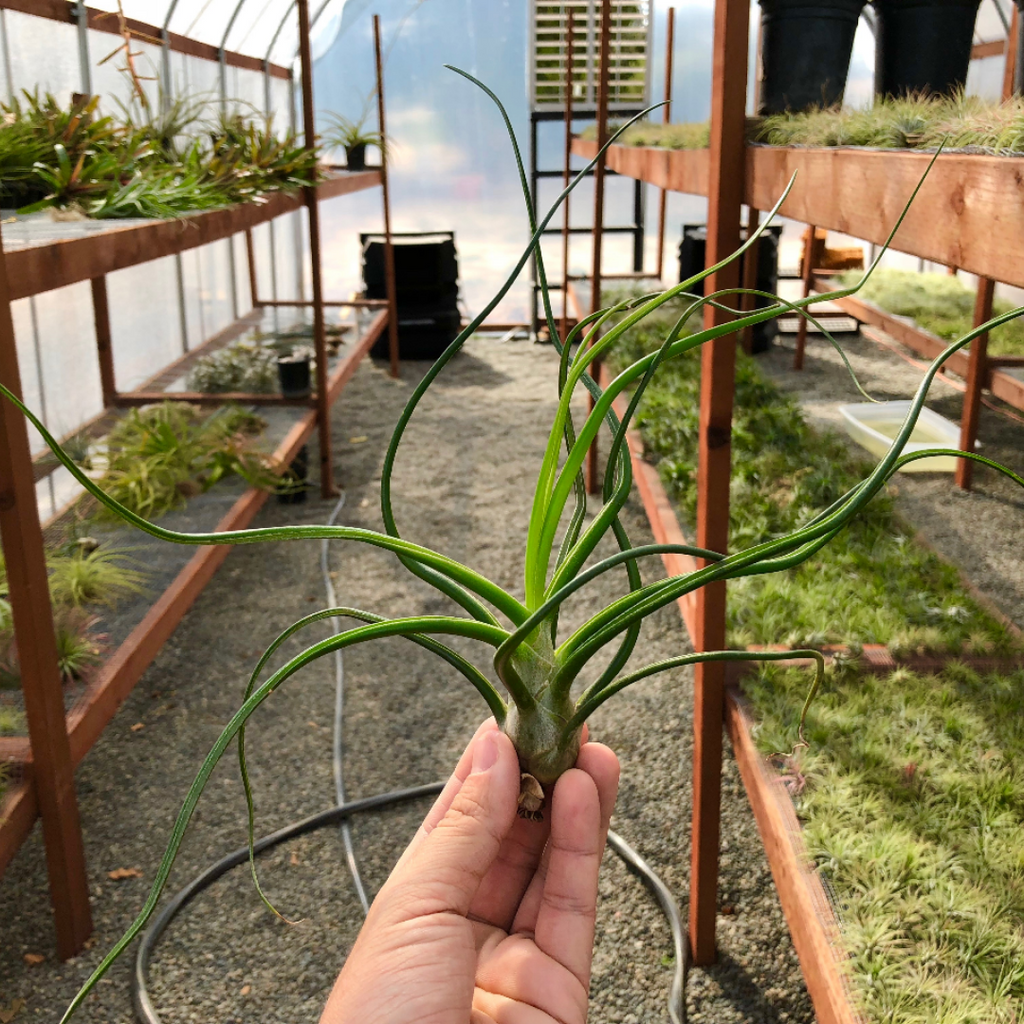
(464, 478)
(982, 530)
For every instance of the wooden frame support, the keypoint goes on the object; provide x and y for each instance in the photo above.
(807, 273)
(666, 117)
(104, 340)
(27, 578)
(977, 371)
(389, 249)
(599, 169)
(718, 369)
(323, 408)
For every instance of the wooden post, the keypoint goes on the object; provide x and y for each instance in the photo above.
(666, 116)
(750, 277)
(808, 278)
(323, 405)
(570, 28)
(718, 366)
(595, 276)
(389, 251)
(250, 258)
(29, 589)
(977, 371)
(1010, 67)
(104, 343)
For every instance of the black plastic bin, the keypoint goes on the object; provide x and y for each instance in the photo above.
(923, 47)
(426, 286)
(692, 253)
(805, 52)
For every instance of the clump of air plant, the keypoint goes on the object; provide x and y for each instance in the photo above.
(534, 663)
(242, 366)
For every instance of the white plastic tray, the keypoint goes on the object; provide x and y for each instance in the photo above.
(875, 426)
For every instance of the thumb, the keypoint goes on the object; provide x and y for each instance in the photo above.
(447, 866)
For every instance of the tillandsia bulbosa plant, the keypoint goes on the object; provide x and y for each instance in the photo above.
(536, 667)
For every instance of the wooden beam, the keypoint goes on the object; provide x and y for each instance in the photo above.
(29, 596)
(327, 488)
(104, 341)
(666, 115)
(1010, 67)
(718, 364)
(807, 274)
(977, 365)
(993, 48)
(36, 267)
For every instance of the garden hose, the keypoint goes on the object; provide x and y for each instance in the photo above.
(146, 1013)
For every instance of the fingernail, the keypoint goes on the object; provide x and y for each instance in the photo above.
(485, 752)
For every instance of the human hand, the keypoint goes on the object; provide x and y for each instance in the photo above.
(487, 918)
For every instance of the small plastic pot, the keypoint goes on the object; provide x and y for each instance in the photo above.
(294, 375)
(805, 52)
(355, 157)
(923, 47)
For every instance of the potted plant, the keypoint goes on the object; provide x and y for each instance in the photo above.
(353, 137)
(805, 52)
(294, 372)
(923, 46)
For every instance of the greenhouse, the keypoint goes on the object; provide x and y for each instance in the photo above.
(512, 511)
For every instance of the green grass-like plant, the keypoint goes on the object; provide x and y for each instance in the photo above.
(872, 584)
(108, 167)
(909, 122)
(159, 456)
(243, 365)
(940, 303)
(912, 800)
(536, 666)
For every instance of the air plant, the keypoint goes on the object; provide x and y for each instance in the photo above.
(537, 667)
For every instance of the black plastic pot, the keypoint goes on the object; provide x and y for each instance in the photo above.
(355, 157)
(805, 52)
(294, 376)
(299, 473)
(922, 47)
(692, 252)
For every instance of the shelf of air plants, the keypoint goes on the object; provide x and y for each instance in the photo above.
(164, 583)
(968, 214)
(42, 253)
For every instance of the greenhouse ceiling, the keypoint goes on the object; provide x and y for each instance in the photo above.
(267, 29)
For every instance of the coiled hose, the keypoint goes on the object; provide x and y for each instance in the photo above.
(339, 815)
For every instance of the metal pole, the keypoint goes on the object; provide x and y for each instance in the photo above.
(8, 74)
(595, 275)
(718, 367)
(666, 116)
(82, 21)
(569, 57)
(323, 407)
(52, 775)
(534, 178)
(389, 252)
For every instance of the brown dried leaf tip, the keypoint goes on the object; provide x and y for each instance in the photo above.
(531, 798)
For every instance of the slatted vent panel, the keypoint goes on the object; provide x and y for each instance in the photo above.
(627, 77)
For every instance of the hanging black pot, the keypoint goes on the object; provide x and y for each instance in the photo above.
(293, 373)
(805, 52)
(922, 47)
(355, 157)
